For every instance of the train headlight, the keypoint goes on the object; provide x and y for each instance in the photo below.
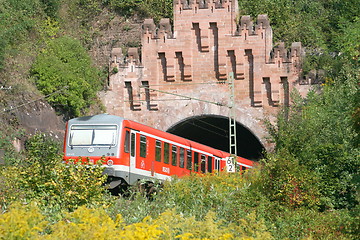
(110, 162)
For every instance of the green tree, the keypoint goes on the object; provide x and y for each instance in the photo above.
(63, 72)
(320, 134)
(348, 41)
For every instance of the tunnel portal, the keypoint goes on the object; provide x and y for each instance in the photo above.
(213, 131)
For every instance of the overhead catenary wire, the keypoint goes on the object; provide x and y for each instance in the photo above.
(183, 96)
(208, 130)
(192, 122)
(12, 108)
(226, 133)
(231, 106)
(194, 119)
(159, 100)
(214, 126)
(188, 83)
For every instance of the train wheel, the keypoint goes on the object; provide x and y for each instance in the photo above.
(117, 187)
(148, 189)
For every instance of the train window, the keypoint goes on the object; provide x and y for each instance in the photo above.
(174, 155)
(166, 152)
(87, 135)
(182, 157)
(158, 151)
(243, 168)
(203, 163)
(142, 146)
(132, 145)
(209, 164)
(80, 137)
(127, 142)
(189, 160)
(196, 161)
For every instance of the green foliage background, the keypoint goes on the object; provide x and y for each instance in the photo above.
(18, 19)
(319, 132)
(156, 9)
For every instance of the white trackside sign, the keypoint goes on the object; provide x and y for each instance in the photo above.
(230, 166)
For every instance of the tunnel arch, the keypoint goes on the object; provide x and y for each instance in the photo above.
(213, 131)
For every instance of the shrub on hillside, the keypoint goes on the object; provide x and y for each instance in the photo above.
(156, 9)
(18, 21)
(64, 73)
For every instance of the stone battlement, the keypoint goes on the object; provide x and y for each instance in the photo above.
(187, 5)
(176, 54)
(246, 25)
(157, 32)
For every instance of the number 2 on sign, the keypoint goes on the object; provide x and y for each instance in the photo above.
(230, 165)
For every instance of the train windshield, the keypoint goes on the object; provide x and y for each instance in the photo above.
(90, 135)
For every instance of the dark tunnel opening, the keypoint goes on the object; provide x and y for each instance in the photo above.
(213, 131)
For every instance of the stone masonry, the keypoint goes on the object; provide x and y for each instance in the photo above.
(161, 84)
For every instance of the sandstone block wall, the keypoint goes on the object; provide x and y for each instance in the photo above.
(161, 83)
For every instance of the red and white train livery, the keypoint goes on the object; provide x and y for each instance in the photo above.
(133, 151)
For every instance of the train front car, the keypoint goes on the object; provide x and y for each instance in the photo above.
(97, 138)
(132, 151)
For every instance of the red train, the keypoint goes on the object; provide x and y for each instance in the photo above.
(133, 151)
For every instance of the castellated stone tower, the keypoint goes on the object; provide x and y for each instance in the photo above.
(193, 58)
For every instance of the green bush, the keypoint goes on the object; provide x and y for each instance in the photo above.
(319, 133)
(9, 191)
(63, 72)
(289, 183)
(54, 185)
(303, 223)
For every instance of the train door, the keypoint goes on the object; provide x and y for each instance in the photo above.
(158, 156)
(132, 175)
(217, 164)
